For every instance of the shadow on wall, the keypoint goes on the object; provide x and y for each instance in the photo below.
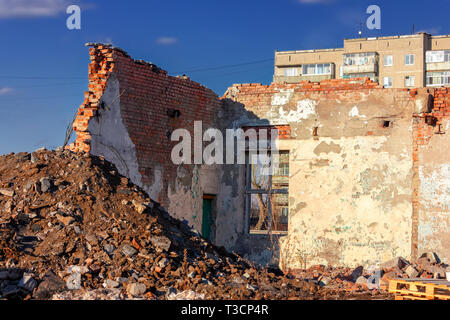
(261, 247)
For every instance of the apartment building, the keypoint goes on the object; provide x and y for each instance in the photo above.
(417, 60)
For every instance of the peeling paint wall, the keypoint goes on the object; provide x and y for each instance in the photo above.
(350, 185)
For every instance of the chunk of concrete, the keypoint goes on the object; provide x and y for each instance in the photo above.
(411, 272)
(398, 262)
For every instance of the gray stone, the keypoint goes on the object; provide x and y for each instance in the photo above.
(45, 184)
(10, 290)
(356, 273)
(77, 229)
(34, 158)
(251, 287)
(79, 269)
(324, 281)
(27, 282)
(431, 257)
(73, 282)
(361, 280)
(128, 250)
(110, 284)
(163, 263)
(395, 262)
(121, 279)
(50, 284)
(411, 272)
(136, 289)
(161, 242)
(9, 275)
(109, 248)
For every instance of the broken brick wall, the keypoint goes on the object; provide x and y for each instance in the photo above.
(128, 115)
(432, 177)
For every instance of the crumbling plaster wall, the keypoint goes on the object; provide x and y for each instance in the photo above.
(350, 185)
(369, 178)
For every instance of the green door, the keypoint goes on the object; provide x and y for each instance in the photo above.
(207, 218)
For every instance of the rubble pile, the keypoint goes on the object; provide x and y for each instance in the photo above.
(71, 227)
(428, 266)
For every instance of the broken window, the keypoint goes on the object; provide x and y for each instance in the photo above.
(267, 196)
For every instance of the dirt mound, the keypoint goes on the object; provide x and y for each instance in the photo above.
(71, 227)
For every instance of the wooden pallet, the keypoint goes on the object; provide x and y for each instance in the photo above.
(420, 289)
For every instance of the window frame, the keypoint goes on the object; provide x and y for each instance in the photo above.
(391, 59)
(269, 192)
(316, 68)
(413, 78)
(285, 72)
(442, 75)
(391, 82)
(408, 59)
(431, 56)
(359, 59)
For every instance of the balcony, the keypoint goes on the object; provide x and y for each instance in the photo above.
(314, 72)
(438, 60)
(366, 62)
(437, 66)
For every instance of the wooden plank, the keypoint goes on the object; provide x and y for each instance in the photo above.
(420, 290)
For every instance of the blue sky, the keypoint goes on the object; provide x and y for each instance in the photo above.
(44, 66)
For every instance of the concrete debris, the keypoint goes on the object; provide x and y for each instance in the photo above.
(60, 242)
(136, 289)
(7, 192)
(186, 295)
(27, 282)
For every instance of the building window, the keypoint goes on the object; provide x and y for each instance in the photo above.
(267, 197)
(409, 59)
(359, 59)
(438, 56)
(409, 81)
(438, 78)
(387, 82)
(388, 61)
(316, 69)
(290, 72)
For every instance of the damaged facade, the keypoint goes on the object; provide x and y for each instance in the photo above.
(364, 175)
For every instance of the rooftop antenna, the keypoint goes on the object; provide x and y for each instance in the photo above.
(413, 29)
(360, 29)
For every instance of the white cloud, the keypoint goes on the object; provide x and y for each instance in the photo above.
(5, 90)
(166, 40)
(31, 8)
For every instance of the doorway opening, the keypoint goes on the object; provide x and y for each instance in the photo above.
(208, 218)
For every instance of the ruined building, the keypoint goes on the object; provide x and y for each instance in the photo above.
(363, 177)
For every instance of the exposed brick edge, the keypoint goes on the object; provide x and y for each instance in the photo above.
(329, 85)
(100, 68)
(422, 133)
(105, 60)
